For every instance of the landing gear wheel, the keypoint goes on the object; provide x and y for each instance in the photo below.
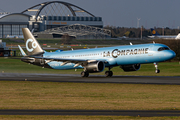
(156, 66)
(157, 71)
(109, 73)
(84, 74)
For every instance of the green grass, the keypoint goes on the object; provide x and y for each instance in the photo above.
(10, 41)
(51, 95)
(17, 66)
(47, 95)
(88, 96)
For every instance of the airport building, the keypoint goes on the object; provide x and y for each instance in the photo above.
(52, 18)
(11, 24)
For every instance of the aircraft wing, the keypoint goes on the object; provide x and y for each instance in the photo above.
(77, 62)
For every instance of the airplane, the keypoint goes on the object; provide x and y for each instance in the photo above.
(17, 36)
(155, 34)
(128, 57)
(14, 36)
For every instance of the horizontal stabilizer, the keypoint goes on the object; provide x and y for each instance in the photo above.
(22, 51)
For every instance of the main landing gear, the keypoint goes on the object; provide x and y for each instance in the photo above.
(84, 74)
(109, 73)
(156, 66)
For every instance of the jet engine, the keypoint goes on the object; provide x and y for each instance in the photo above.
(92, 67)
(28, 60)
(128, 68)
(39, 62)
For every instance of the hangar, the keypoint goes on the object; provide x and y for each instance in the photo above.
(48, 16)
(77, 31)
(53, 14)
(11, 24)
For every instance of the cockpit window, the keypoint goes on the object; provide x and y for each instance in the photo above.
(163, 48)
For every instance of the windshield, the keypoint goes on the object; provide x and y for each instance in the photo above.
(163, 48)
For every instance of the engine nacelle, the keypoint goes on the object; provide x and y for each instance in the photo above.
(128, 68)
(28, 59)
(97, 66)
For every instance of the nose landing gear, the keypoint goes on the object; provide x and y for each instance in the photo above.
(156, 66)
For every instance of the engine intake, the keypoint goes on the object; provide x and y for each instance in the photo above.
(97, 66)
(128, 68)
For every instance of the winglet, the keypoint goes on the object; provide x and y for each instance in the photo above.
(22, 51)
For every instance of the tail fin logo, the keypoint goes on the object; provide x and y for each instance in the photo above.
(153, 32)
(34, 45)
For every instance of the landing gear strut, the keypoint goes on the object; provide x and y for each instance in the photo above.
(156, 66)
(109, 73)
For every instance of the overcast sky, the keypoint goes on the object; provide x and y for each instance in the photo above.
(122, 13)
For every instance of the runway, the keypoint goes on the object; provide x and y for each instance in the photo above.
(135, 113)
(92, 79)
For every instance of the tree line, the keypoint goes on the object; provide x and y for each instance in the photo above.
(136, 32)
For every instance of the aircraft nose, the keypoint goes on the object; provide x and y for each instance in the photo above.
(171, 54)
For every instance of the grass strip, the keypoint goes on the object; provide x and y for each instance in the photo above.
(17, 66)
(88, 96)
(38, 117)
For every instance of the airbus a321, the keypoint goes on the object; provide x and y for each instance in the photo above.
(129, 57)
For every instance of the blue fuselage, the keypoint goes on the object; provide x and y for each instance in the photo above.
(114, 56)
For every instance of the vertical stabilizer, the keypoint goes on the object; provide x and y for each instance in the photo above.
(32, 46)
(178, 37)
(154, 33)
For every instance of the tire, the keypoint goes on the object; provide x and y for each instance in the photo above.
(157, 71)
(108, 73)
(84, 74)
